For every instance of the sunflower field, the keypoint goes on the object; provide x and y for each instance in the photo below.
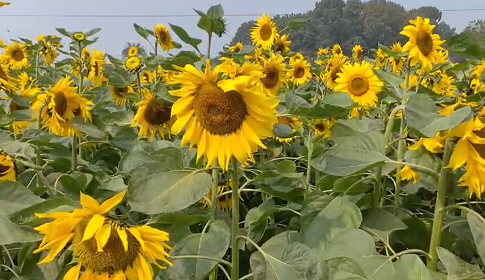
(255, 163)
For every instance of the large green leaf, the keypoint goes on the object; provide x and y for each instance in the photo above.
(163, 160)
(184, 36)
(256, 220)
(354, 244)
(142, 31)
(11, 233)
(15, 197)
(410, 267)
(458, 269)
(421, 114)
(167, 192)
(336, 217)
(213, 243)
(332, 105)
(466, 43)
(381, 223)
(477, 228)
(28, 214)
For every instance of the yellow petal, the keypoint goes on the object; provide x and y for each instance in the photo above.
(89, 202)
(102, 236)
(119, 276)
(111, 203)
(73, 273)
(123, 237)
(93, 226)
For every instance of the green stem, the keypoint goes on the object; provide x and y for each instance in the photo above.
(38, 156)
(138, 80)
(235, 221)
(400, 156)
(74, 154)
(81, 88)
(410, 251)
(387, 135)
(156, 53)
(202, 258)
(215, 184)
(209, 45)
(309, 159)
(439, 205)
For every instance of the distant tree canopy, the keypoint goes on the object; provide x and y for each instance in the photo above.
(349, 23)
(477, 27)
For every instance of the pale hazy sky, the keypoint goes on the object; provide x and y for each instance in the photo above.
(116, 31)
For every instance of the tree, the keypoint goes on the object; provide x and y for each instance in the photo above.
(477, 27)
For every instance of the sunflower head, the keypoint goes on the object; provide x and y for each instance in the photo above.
(224, 198)
(323, 51)
(133, 51)
(7, 168)
(16, 56)
(300, 72)
(332, 69)
(164, 39)
(133, 64)
(337, 49)
(153, 117)
(264, 32)
(357, 52)
(323, 127)
(120, 94)
(236, 48)
(274, 70)
(79, 36)
(282, 44)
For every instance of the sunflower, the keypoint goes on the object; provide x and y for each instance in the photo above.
(153, 116)
(423, 46)
(360, 82)
(323, 127)
(282, 44)
(119, 94)
(7, 168)
(103, 247)
(333, 68)
(63, 104)
(79, 36)
(16, 56)
(96, 67)
(232, 69)
(433, 145)
(133, 64)
(337, 49)
(7, 82)
(445, 85)
(133, 51)
(27, 86)
(300, 72)
(406, 173)
(294, 123)
(148, 77)
(397, 63)
(236, 48)
(274, 70)
(357, 53)
(263, 34)
(323, 51)
(224, 202)
(224, 118)
(381, 59)
(164, 39)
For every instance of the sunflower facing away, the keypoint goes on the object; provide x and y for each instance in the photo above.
(153, 116)
(96, 67)
(337, 49)
(164, 39)
(295, 125)
(282, 44)
(360, 82)
(274, 70)
(263, 34)
(300, 72)
(423, 45)
(63, 104)
(223, 118)
(236, 48)
(7, 168)
(103, 247)
(120, 94)
(224, 202)
(16, 56)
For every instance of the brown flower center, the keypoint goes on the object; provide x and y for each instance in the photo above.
(358, 86)
(219, 112)
(299, 72)
(4, 170)
(156, 113)
(60, 101)
(271, 79)
(18, 55)
(425, 44)
(265, 32)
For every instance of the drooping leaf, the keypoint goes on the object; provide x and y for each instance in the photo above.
(381, 223)
(411, 267)
(11, 233)
(477, 228)
(184, 36)
(458, 269)
(141, 31)
(15, 197)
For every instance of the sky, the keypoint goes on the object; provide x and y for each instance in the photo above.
(17, 20)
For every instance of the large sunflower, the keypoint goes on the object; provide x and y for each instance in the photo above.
(274, 70)
(103, 247)
(62, 105)
(164, 38)
(360, 82)
(7, 168)
(16, 56)
(120, 94)
(300, 72)
(153, 116)
(223, 118)
(423, 45)
(264, 33)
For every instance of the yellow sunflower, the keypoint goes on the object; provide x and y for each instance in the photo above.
(153, 116)
(323, 127)
(397, 63)
(62, 105)
(7, 82)
(148, 77)
(423, 46)
(164, 38)
(133, 51)
(406, 173)
(96, 70)
(16, 56)
(264, 33)
(103, 247)
(232, 69)
(79, 36)
(360, 82)
(323, 51)
(300, 72)
(294, 123)
(337, 49)
(7, 168)
(224, 118)
(133, 64)
(274, 70)
(381, 59)
(224, 202)
(433, 145)
(282, 44)
(357, 53)
(236, 48)
(332, 69)
(119, 94)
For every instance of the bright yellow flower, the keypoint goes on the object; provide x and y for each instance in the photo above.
(164, 39)
(263, 34)
(274, 70)
(337, 49)
(16, 56)
(236, 48)
(333, 68)
(357, 52)
(323, 127)
(406, 173)
(7, 168)
(300, 72)
(153, 116)
(120, 95)
(433, 145)
(282, 44)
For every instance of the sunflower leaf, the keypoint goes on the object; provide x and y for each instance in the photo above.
(92, 32)
(64, 32)
(143, 32)
(12, 233)
(297, 23)
(184, 36)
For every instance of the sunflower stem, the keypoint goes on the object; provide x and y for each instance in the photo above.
(138, 80)
(209, 45)
(156, 53)
(439, 206)
(400, 156)
(80, 90)
(235, 221)
(309, 159)
(38, 155)
(74, 154)
(215, 184)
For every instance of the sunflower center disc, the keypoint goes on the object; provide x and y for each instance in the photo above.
(120, 92)
(358, 86)
(112, 259)
(320, 127)
(425, 44)
(163, 36)
(271, 78)
(3, 170)
(299, 72)
(219, 112)
(18, 55)
(3, 75)
(60, 101)
(157, 114)
(266, 32)
(335, 72)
